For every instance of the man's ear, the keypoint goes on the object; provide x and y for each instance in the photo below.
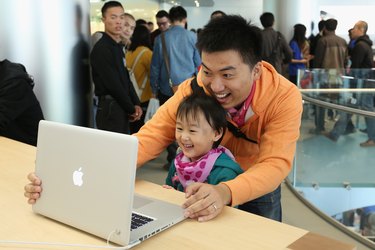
(257, 71)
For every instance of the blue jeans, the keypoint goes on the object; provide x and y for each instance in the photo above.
(268, 205)
(343, 125)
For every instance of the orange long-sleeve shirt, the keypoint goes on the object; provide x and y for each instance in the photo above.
(277, 107)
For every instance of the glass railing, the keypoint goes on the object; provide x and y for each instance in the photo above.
(334, 167)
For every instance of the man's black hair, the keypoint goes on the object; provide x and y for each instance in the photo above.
(232, 32)
(218, 12)
(321, 25)
(177, 13)
(331, 24)
(110, 4)
(267, 19)
(161, 14)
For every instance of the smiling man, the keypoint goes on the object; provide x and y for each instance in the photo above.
(262, 104)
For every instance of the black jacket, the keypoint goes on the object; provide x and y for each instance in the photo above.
(361, 55)
(20, 111)
(110, 75)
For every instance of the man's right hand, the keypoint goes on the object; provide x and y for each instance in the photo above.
(33, 189)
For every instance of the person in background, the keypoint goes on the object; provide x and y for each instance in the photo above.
(330, 55)
(183, 59)
(150, 26)
(362, 61)
(140, 48)
(217, 13)
(275, 49)
(313, 41)
(264, 109)
(141, 22)
(129, 26)
(163, 22)
(20, 111)
(301, 49)
(200, 127)
(118, 102)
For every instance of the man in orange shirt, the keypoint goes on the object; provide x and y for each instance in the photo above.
(263, 107)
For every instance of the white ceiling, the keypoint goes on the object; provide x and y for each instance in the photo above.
(146, 9)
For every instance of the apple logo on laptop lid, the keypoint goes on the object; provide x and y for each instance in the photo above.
(77, 177)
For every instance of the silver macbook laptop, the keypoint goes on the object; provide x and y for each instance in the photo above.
(88, 180)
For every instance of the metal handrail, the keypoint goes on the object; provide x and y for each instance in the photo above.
(349, 110)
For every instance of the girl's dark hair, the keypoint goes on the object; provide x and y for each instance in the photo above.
(232, 32)
(141, 37)
(300, 35)
(214, 113)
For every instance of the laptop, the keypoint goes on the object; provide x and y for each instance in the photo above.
(88, 178)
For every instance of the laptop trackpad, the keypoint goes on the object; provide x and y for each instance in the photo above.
(140, 202)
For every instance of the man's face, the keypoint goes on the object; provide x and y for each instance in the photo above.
(113, 20)
(356, 31)
(227, 77)
(163, 23)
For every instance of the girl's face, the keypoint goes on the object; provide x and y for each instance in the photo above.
(195, 136)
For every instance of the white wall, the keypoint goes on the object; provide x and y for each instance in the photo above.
(42, 35)
(198, 17)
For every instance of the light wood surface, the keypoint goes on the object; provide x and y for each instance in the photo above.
(233, 229)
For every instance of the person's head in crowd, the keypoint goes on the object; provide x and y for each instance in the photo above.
(267, 19)
(217, 13)
(162, 20)
(330, 25)
(150, 26)
(178, 14)
(350, 34)
(141, 22)
(321, 25)
(359, 29)
(141, 37)
(113, 18)
(299, 34)
(200, 125)
(129, 26)
(230, 67)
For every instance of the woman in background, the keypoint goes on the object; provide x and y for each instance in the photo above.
(300, 48)
(140, 54)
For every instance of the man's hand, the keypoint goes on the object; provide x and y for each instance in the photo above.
(205, 201)
(137, 114)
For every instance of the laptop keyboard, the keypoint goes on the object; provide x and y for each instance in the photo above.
(139, 220)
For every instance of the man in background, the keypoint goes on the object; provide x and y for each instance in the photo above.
(330, 54)
(275, 50)
(118, 102)
(163, 22)
(362, 61)
(175, 58)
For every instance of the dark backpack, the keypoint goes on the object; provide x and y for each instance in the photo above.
(272, 58)
(233, 129)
